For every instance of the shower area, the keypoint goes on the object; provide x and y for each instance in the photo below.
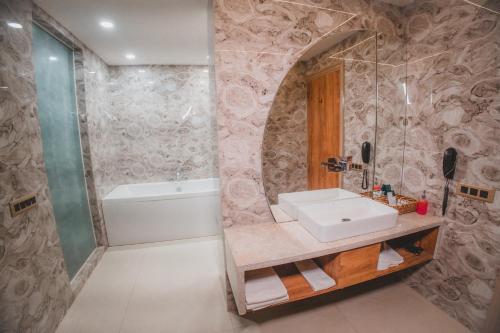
(129, 147)
(57, 111)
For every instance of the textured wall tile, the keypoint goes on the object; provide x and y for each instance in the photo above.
(150, 122)
(284, 147)
(453, 86)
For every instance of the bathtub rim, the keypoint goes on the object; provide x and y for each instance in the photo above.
(109, 199)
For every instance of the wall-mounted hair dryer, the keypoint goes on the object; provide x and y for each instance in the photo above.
(365, 156)
(449, 165)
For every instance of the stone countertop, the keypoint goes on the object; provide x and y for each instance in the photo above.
(270, 244)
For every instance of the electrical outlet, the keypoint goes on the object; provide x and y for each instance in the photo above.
(475, 192)
(356, 166)
(22, 204)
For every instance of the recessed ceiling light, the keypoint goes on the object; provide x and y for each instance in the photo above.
(130, 56)
(14, 25)
(91, 72)
(142, 71)
(52, 58)
(107, 24)
(4, 87)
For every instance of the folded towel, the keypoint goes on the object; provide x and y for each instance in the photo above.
(315, 276)
(388, 258)
(262, 305)
(262, 286)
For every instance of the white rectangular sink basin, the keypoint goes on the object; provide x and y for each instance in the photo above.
(290, 202)
(340, 219)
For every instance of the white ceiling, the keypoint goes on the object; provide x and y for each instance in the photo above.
(156, 31)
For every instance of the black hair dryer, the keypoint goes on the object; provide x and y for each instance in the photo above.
(449, 165)
(365, 156)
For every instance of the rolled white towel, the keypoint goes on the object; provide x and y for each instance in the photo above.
(262, 286)
(315, 276)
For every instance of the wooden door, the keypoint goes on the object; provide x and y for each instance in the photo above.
(324, 124)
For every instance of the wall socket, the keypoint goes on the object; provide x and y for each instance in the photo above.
(356, 166)
(475, 192)
(22, 204)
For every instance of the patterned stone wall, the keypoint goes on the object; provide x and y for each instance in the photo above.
(34, 286)
(454, 91)
(284, 147)
(151, 122)
(95, 82)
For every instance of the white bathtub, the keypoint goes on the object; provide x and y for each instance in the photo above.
(142, 213)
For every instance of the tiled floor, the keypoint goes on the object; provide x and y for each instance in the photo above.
(176, 287)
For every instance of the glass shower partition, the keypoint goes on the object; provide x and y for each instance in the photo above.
(56, 100)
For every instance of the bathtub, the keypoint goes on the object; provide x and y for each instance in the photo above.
(153, 212)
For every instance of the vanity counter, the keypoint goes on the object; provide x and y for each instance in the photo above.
(269, 244)
(349, 261)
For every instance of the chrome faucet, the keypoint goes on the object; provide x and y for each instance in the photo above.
(338, 163)
(177, 176)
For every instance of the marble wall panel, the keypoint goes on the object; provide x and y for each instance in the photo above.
(454, 91)
(96, 106)
(157, 122)
(34, 286)
(284, 147)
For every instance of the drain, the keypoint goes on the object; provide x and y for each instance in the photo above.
(345, 219)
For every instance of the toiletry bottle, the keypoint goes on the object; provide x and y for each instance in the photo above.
(422, 205)
(376, 188)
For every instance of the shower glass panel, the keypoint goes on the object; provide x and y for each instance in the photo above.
(55, 84)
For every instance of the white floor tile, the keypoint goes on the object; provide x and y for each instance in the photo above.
(176, 287)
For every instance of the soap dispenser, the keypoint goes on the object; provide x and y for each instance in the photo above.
(422, 205)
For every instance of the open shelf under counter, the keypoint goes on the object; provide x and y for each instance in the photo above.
(276, 245)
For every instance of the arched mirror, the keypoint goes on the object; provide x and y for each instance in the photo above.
(337, 120)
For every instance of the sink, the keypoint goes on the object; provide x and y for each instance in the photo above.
(330, 221)
(290, 202)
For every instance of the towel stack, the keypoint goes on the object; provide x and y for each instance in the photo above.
(264, 288)
(315, 276)
(388, 258)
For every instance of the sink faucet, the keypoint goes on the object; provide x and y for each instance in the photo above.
(338, 163)
(177, 176)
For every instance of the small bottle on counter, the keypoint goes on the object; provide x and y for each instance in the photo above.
(376, 188)
(422, 205)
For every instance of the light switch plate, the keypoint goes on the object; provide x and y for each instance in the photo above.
(22, 204)
(476, 192)
(356, 166)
